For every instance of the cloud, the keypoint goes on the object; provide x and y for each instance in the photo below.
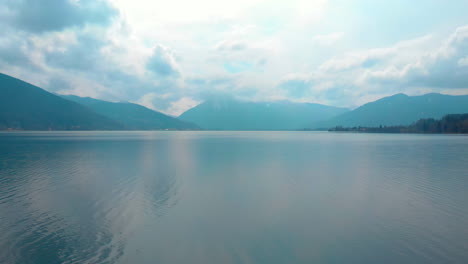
(329, 39)
(296, 86)
(168, 57)
(238, 66)
(100, 62)
(12, 50)
(437, 69)
(463, 62)
(397, 54)
(149, 99)
(412, 66)
(90, 48)
(82, 51)
(180, 106)
(231, 46)
(163, 62)
(169, 103)
(56, 15)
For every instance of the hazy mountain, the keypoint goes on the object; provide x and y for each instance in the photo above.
(399, 109)
(132, 116)
(25, 106)
(231, 114)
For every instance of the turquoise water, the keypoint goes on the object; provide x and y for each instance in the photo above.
(232, 197)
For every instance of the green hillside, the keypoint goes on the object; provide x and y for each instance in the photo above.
(27, 107)
(132, 116)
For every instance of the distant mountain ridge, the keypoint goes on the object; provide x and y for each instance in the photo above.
(24, 106)
(132, 116)
(231, 114)
(399, 109)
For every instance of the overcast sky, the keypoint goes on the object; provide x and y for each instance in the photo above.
(171, 55)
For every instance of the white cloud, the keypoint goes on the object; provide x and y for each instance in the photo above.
(174, 107)
(147, 99)
(399, 54)
(231, 45)
(413, 66)
(171, 55)
(181, 105)
(463, 62)
(437, 69)
(329, 39)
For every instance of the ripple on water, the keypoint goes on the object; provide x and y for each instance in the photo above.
(229, 197)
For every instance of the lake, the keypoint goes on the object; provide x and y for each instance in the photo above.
(233, 197)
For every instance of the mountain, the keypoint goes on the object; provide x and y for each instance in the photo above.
(231, 114)
(399, 109)
(132, 116)
(28, 107)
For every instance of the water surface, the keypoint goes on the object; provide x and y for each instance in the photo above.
(232, 197)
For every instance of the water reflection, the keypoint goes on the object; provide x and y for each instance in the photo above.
(232, 197)
(77, 201)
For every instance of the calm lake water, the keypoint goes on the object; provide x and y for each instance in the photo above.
(233, 197)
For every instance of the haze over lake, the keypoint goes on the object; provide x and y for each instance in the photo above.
(232, 197)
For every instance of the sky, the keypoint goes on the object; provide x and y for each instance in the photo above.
(172, 55)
